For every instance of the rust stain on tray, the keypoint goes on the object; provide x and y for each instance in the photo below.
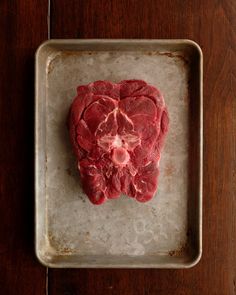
(176, 55)
(180, 251)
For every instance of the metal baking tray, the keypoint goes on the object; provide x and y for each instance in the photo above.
(163, 233)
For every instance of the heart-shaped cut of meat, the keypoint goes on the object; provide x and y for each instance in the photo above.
(117, 132)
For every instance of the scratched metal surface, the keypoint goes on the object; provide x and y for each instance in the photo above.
(70, 228)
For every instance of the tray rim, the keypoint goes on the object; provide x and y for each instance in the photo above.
(200, 177)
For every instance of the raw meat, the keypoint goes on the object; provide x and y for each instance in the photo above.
(117, 132)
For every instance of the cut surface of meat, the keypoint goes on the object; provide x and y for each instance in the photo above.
(117, 131)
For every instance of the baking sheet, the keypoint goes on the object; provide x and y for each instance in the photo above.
(70, 231)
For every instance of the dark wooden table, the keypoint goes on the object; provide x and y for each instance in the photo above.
(23, 26)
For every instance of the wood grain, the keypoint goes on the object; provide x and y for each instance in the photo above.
(212, 24)
(23, 26)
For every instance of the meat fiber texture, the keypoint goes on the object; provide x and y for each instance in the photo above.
(117, 132)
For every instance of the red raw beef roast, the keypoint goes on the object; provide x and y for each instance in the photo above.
(117, 132)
